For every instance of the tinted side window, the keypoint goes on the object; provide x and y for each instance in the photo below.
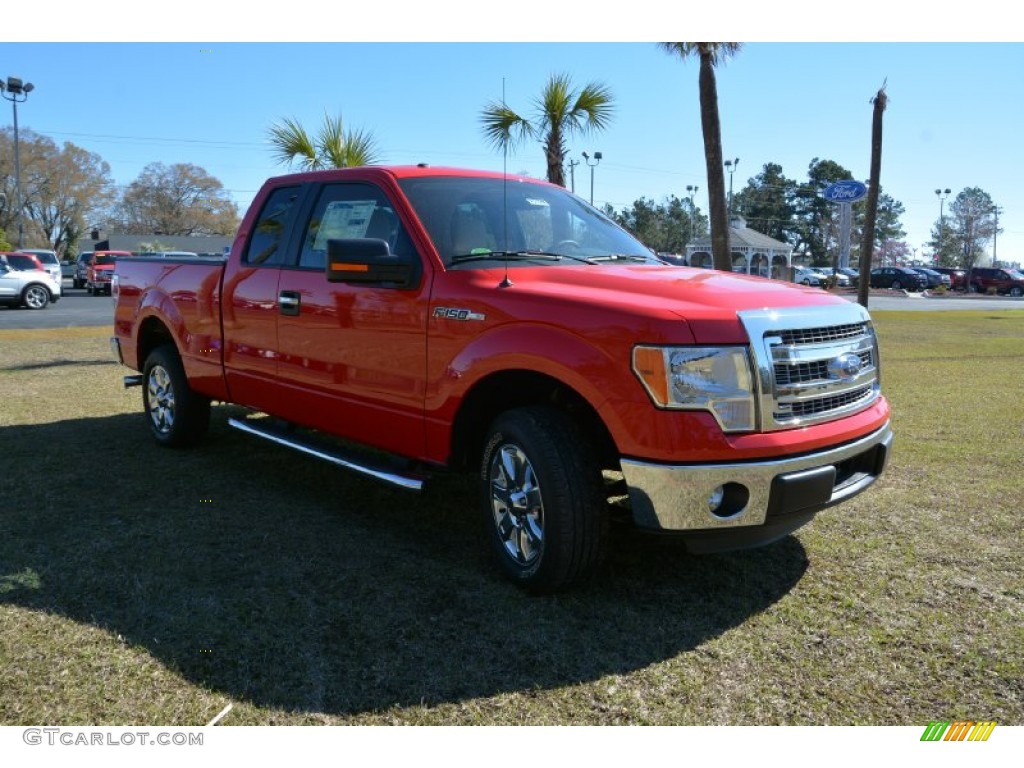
(266, 241)
(353, 210)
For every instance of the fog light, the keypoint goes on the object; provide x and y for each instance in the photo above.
(728, 500)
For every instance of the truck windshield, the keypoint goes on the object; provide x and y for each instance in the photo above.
(104, 260)
(476, 221)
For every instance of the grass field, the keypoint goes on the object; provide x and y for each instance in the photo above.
(146, 586)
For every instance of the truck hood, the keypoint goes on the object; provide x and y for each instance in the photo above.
(707, 300)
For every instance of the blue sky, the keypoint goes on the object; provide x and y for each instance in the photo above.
(953, 118)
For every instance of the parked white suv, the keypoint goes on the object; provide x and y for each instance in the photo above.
(50, 263)
(32, 287)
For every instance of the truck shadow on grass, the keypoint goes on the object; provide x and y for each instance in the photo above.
(283, 582)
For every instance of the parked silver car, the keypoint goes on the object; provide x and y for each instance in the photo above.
(806, 276)
(26, 286)
(842, 279)
(49, 261)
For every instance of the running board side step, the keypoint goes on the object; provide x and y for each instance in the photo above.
(333, 454)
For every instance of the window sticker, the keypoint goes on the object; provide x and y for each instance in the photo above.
(342, 219)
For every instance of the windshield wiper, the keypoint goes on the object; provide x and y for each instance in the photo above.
(619, 257)
(502, 255)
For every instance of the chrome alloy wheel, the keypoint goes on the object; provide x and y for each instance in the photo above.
(36, 297)
(516, 505)
(161, 399)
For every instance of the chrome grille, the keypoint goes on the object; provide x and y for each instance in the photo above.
(822, 404)
(814, 364)
(819, 335)
(804, 372)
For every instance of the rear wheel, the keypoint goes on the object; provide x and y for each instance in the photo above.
(543, 500)
(177, 416)
(35, 296)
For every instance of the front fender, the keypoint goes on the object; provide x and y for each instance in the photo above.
(598, 373)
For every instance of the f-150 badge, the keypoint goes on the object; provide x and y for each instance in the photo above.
(454, 313)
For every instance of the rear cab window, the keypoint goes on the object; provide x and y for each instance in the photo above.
(266, 246)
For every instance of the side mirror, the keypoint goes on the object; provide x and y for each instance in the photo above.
(368, 260)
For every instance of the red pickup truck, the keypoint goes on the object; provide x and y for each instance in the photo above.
(447, 319)
(99, 271)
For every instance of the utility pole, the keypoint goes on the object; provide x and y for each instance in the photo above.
(572, 175)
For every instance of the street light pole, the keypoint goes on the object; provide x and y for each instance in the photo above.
(942, 194)
(996, 210)
(691, 190)
(730, 166)
(593, 165)
(15, 88)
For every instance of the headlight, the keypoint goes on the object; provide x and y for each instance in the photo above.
(715, 379)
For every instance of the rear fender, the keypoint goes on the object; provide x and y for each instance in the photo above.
(199, 352)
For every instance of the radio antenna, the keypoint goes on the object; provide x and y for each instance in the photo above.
(505, 283)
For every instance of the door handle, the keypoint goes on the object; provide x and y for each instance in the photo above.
(288, 301)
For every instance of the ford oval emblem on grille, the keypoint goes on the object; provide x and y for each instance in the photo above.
(845, 366)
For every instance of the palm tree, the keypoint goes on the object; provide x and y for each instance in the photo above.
(560, 112)
(332, 147)
(711, 55)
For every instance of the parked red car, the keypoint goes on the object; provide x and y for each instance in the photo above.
(1008, 281)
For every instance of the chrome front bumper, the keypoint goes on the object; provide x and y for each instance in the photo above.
(757, 493)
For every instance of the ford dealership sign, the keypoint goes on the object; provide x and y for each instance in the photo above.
(849, 191)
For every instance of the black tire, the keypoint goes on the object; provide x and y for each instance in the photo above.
(177, 416)
(1016, 291)
(543, 500)
(896, 285)
(35, 296)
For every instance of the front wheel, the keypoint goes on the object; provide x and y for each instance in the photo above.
(543, 500)
(896, 285)
(177, 416)
(1016, 291)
